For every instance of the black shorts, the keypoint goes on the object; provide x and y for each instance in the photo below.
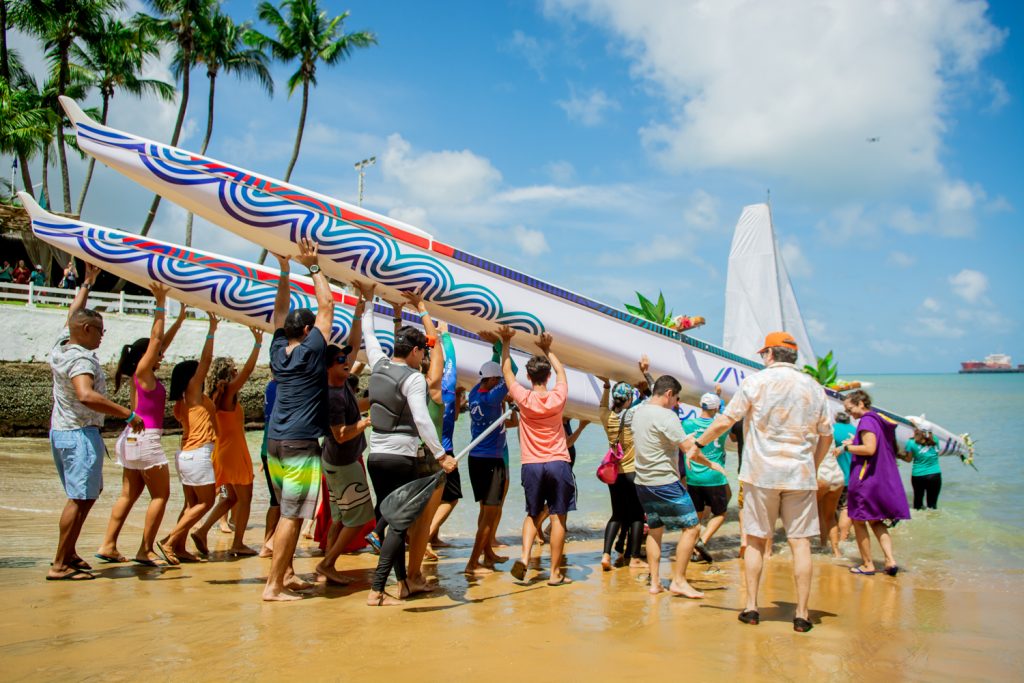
(714, 497)
(452, 487)
(270, 485)
(489, 477)
(550, 484)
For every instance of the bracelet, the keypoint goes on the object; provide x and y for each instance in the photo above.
(86, 285)
(159, 309)
(131, 417)
(257, 345)
(422, 314)
(209, 336)
(397, 319)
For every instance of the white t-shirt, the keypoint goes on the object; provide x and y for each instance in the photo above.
(787, 411)
(657, 434)
(68, 361)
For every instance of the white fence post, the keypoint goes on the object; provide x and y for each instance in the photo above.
(120, 302)
(31, 292)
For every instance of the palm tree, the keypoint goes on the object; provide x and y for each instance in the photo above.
(59, 23)
(23, 125)
(310, 37)
(219, 45)
(114, 61)
(175, 24)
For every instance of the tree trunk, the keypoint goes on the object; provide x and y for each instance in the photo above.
(92, 160)
(5, 64)
(26, 174)
(295, 149)
(187, 59)
(44, 191)
(206, 143)
(62, 82)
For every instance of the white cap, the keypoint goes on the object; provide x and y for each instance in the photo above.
(924, 425)
(710, 401)
(490, 369)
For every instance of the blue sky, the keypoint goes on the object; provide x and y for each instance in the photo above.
(610, 147)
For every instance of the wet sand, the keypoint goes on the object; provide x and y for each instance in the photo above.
(206, 622)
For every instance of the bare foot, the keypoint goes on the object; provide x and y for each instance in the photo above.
(225, 529)
(477, 570)
(266, 552)
(438, 543)
(637, 563)
(656, 588)
(686, 590)
(375, 599)
(560, 580)
(185, 556)
(200, 541)
(110, 555)
(429, 555)
(420, 585)
(332, 575)
(243, 551)
(297, 584)
(606, 562)
(494, 558)
(499, 544)
(279, 596)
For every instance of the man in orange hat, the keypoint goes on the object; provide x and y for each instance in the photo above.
(787, 436)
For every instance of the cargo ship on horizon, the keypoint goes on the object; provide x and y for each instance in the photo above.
(993, 363)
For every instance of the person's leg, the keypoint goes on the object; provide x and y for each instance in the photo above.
(71, 520)
(654, 558)
(176, 545)
(885, 540)
(753, 563)
(203, 497)
(634, 544)
(803, 572)
(286, 537)
(444, 511)
(844, 525)
(557, 550)
(392, 556)
(822, 524)
(611, 532)
(860, 530)
(270, 525)
(482, 543)
(827, 515)
(131, 488)
(935, 486)
(221, 506)
(158, 483)
(714, 524)
(495, 543)
(919, 488)
(679, 585)
(243, 494)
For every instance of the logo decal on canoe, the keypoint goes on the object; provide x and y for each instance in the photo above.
(727, 372)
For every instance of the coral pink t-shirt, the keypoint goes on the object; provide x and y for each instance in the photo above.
(541, 436)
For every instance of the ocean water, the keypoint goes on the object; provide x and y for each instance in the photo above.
(974, 538)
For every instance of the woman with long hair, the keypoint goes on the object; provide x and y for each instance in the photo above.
(232, 464)
(197, 415)
(140, 455)
(926, 477)
(626, 510)
(876, 496)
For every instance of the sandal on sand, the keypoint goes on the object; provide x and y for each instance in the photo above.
(893, 570)
(750, 616)
(374, 540)
(862, 572)
(562, 581)
(168, 554)
(110, 559)
(802, 625)
(200, 544)
(73, 575)
(518, 570)
(145, 563)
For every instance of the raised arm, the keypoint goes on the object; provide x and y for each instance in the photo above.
(544, 342)
(235, 385)
(283, 298)
(605, 407)
(506, 333)
(373, 350)
(355, 334)
(173, 332)
(436, 369)
(308, 256)
(144, 370)
(396, 314)
(91, 273)
(571, 439)
(645, 369)
(195, 385)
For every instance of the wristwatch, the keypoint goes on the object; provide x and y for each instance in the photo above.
(314, 269)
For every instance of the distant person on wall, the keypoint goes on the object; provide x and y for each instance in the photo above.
(788, 434)
(79, 405)
(876, 496)
(6, 272)
(21, 273)
(38, 277)
(298, 357)
(70, 277)
(926, 477)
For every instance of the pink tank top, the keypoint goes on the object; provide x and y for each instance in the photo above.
(150, 405)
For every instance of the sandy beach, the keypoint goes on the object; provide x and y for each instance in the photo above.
(206, 622)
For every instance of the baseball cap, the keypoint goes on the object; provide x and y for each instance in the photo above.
(710, 401)
(784, 339)
(490, 369)
(924, 425)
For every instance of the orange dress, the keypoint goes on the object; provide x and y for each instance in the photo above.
(232, 463)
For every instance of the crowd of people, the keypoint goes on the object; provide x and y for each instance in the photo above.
(818, 472)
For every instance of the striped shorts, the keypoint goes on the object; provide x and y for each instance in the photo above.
(294, 467)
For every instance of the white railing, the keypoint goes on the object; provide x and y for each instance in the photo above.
(108, 302)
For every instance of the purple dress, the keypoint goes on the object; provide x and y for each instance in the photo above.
(876, 490)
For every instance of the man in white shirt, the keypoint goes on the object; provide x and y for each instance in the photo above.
(787, 436)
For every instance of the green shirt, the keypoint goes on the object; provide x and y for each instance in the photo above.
(926, 459)
(700, 475)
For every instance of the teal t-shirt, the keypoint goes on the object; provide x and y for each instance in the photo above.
(841, 431)
(697, 474)
(926, 459)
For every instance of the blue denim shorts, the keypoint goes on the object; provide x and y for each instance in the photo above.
(78, 455)
(668, 505)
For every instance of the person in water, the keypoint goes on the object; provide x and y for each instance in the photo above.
(926, 477)
(298, 359)
(876, 497)
(80, 404)
(232, 464)
(708, 489)
(197, 415)
(842, 430)
(141, 456)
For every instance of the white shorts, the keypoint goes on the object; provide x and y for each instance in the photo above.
(761, 507)
(140, 451)
(195, 468)
(830, 474)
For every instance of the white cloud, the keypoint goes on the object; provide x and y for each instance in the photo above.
(561, 172)
(532, 242)
(848, 222)
(930, 304)
(936, 328)
(891, 348)
(795, 89)
(816, 329)
(796, 263)
(446, 177)
(1000, 96)
(901, 259)
(529, 48)
(587, 108)
(969, 285)
(702, 211)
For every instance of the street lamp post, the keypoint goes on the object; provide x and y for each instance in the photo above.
(361, 169)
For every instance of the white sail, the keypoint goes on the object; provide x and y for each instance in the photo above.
(759, 297)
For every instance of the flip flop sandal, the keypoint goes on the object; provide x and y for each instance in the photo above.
(518, 570)
(750, 616)
(79, 563)
(862, 572)
(145, 563)
(893, 570)
(110, 559)
(802, 625)
(73, 575)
